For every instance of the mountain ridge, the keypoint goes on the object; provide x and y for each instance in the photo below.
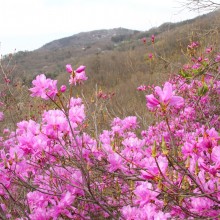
(89, 37)
(89, 47)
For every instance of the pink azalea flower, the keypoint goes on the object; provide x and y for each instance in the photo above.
(7, 80)
(77, 114)
(129, 123)
(200, 59)
(75, 102)
(151, 168)
(208, 50)
(144, 40)
(142, 88)
(78, 76)
(145, 193)
(119, 126)
(186, 67)
(209, 140)
(217, 59)
(196, 66)
(44, 88)
(150, 55)
(216, 154)
(201, 205)
(66, 200)
(54, 119)
(129, 212)
(115, 162)
(40, 214)
(166, 98)
(152, 102)
(152, 39)
(193, 45)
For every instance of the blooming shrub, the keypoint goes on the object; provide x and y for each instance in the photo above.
(53, 169)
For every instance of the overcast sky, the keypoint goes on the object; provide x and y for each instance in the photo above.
(29, 24)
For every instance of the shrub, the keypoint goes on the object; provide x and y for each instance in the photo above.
(53, 169)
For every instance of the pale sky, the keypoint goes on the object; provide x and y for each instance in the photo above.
(29, 24)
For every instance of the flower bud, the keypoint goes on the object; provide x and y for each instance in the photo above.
(69, 68)
(63, 88)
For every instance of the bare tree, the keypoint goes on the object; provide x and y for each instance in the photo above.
(201, 5)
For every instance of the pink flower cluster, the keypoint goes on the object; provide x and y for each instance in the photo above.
(77, 76)
(44, 88)
(193, 45)
(142, 88)
(166, 98)
(53, 169)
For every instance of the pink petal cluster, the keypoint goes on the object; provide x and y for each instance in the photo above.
(142, 88)
(44, 88)
(193, 45)
(150, 56)
(144, 40)
(208, 50)
(153, 39)
(77, 76)
(165, 98)
(217, 59)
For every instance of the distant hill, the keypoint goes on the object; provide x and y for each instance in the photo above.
(87, 39)
(51, 57)
(118, 46)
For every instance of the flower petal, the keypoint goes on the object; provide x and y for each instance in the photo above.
(167, 92)
(177, 101)
(152, 102)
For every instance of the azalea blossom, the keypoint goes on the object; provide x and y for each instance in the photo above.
(77, 76)
(44, 88)
(196, 66)
(142, 88)
(193, 45)
(144, 40)
(208, 50)
(150, 56)
(78, 79)
(166, 98)
(152, 39)
(217, 59)
(145, 193)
